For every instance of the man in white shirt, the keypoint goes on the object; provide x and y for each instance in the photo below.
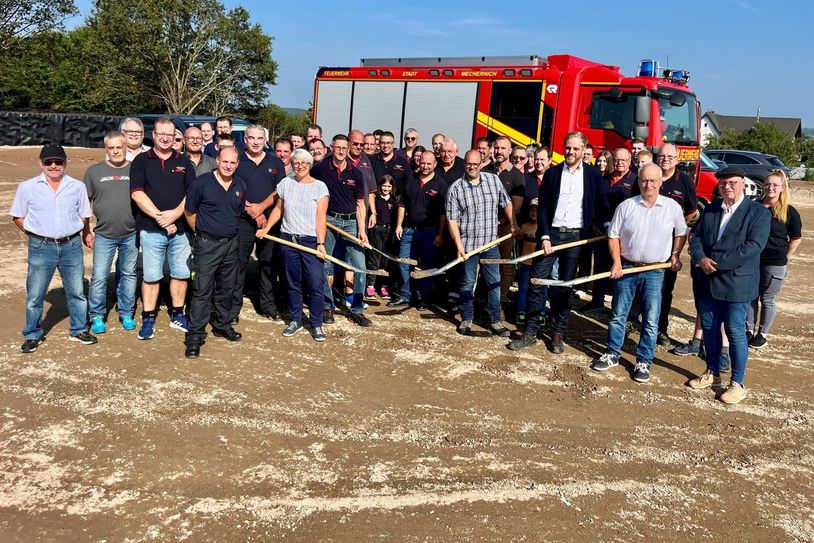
(646, 229)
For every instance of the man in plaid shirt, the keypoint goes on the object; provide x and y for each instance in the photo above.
(472, 205)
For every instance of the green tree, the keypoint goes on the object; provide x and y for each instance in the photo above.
(22, 18)
(763, 137)
(179, 56)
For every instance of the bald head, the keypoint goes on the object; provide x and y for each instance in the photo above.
(621, 160)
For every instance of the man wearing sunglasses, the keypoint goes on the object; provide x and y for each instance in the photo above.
(54, 211)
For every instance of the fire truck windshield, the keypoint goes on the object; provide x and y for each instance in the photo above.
(678, 123)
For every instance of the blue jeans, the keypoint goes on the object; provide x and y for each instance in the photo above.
(418, 245)
(491, 275)
(733, 316)
(771, 281)
(347, 251)
(44, 257)
(104, 249)
(649, 286)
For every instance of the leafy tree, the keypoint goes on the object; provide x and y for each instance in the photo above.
(763, 137)
(280, 123)
(183, 56)
(21, 18)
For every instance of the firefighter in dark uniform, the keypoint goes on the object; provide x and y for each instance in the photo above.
(213, 207)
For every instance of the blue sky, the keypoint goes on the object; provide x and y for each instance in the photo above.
(742, 54)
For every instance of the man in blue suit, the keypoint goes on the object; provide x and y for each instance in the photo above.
(572, 200)
(726, 247)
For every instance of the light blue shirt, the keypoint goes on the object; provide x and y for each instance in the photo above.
(49, 213)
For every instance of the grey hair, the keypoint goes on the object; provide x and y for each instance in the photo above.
(133, 120)
(301, 155)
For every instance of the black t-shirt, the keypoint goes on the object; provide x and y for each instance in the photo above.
(514, 181)
(679, 188)
(780, 234)
(384, 209)
(424, 205)
(454, 173)
(218, 210)
(344, 187)
(622, 189)
(260, 179)
(165, 182)
(398, 167)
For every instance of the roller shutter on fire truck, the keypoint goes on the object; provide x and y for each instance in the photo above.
(397, 106)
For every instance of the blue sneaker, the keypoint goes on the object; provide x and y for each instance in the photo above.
(179, 321)
(98, 326)
(128, 323)
(147, 328)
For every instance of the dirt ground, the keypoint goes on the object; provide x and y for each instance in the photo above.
(401, 432)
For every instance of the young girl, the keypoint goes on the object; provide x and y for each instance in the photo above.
(379, 236)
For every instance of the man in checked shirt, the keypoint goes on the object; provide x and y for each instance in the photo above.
(472, 206)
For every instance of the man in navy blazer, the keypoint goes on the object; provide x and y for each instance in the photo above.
(572, 203)
(726, 247)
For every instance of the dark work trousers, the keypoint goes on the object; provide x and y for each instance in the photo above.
(299, 264)
(214, 271)
(271, 288)
(602, 264)
(670, 278)
(379, 237)
(560, 297)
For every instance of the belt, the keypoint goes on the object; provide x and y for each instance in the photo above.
(66, 239)
(639, 264)
(213, 238)
(564, 229)
(344, 216)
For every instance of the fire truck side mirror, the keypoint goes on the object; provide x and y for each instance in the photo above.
(641, 132)
(677, 99)
(641, 112)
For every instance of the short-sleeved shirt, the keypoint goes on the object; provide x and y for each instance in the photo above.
(345, 187)
(456, 172)
(109, 191)
(645, 234)
(260, 179)
(398, 167)
(780, 234)
(300, 206)
(678, 187)
(205, 164)
(620, 190)
(49, 213)
(514, 181)
(474, 208)
(217, 209)
(165, 182)
(424, 204)
(384, 209)
(365, 166)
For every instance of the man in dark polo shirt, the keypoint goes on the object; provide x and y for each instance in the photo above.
(260, 172)
(451, 167)
(364, 164)
(421, 226)
(159, 181)
(678, 186)
(541, 160)
(389, 162)
(213, 207)
(346, 210)
(514, 181)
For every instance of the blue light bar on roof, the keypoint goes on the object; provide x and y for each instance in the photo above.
(648, 68)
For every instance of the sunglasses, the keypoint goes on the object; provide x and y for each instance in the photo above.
(409, 138)
(179, 140)
(53, 162)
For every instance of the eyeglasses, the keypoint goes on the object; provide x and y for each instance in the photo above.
(179, 140)
(472, 164)
(336, 148)
(728, 182)
(518, 158)
(409, 138)
(53, 162)
(133, 132)
(300, 164)
(668, 158)
(193, 139)
(159, 135)
(621, 160)
(357, 143)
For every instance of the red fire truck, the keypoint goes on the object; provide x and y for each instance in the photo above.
(530, 99)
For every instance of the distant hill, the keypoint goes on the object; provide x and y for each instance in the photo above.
(808, 132)
(293, 111)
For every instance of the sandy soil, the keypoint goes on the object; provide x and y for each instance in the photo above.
(402, 432)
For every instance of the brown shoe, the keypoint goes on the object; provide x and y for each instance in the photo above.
(705, 380)
(734, 393)
(556, 344)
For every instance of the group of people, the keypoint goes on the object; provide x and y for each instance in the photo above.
(317, 216)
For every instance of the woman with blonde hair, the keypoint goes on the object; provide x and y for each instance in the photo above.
(784, 238)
